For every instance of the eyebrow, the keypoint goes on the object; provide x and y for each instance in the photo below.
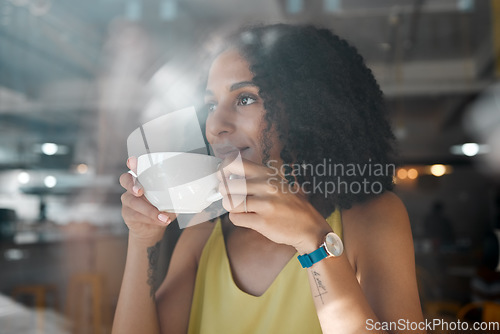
(242, 84)
(234, 86)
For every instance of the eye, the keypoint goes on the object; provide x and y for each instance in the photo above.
(210, 107)
(245, 100)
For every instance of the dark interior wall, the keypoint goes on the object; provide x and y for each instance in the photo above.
(467, 195)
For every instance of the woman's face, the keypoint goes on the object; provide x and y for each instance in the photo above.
(235, 110)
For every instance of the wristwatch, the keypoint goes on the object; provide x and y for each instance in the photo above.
(332, 246)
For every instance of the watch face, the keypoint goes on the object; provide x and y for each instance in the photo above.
(334, 244)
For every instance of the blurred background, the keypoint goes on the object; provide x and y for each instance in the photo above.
(76, 77)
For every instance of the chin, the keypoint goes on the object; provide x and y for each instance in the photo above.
(250, 155)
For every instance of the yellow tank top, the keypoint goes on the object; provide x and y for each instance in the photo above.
(220, 307)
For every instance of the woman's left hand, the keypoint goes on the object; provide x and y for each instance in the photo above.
(273, 207)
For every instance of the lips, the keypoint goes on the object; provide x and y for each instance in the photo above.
(225, 151)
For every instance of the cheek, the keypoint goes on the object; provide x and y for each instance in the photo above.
(254, 128)
(209, 127)
(266, 139)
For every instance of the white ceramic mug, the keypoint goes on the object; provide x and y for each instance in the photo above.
(179, 182)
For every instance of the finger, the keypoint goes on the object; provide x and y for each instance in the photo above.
(131, 215)
(241, 187)
(251, 187)
(247, 204)
(249, 220)
(131, 184)
(140, 204)
(233, 187)
(241, 167)
(234, 203)
(137, 189)
(132, 164)
(171, 215)
(255, 204)
(126, 181)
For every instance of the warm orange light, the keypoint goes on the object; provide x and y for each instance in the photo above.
(412, 173)
(82, 168)
(402, 173)
(438, 170)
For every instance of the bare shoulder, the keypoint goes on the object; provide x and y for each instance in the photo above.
(381, 220)
(385, 211)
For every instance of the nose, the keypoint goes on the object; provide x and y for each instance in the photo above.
(221, 121)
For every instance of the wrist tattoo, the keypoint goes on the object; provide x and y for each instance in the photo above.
(319, 285)
(153, 256)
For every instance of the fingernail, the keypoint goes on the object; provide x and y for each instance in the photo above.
(163, 218)
(136, 189)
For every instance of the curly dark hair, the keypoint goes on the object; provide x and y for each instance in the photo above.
(325, 105)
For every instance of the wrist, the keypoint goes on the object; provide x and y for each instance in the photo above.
(145, 241)
(313, 240)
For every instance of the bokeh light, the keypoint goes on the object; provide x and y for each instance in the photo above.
(49, 148)
(23, 177)
(82, 168)
(50, 181)
(402, 173)
(438, 170)
(412, 173)
(470, 149)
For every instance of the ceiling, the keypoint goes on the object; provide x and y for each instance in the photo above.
(75, 72)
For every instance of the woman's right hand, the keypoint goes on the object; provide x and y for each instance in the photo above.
(143, 219)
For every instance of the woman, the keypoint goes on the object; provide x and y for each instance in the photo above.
(288, 99)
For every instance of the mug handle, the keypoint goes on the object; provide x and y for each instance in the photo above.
(215, 196)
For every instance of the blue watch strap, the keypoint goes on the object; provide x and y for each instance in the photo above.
(307, 260)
